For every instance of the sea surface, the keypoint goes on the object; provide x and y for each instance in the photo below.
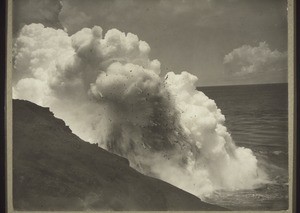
(257, 118)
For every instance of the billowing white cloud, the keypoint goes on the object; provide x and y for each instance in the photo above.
(109, 91)
(176, 24)
(256, 63)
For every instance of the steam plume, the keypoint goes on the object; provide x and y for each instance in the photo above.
(109, 92)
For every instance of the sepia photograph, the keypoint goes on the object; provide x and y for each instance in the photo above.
(150, 105)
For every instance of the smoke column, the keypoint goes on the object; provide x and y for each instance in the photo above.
(109, 92)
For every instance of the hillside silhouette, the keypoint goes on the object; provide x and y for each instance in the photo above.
(53, 169)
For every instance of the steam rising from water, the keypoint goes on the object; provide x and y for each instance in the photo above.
(109, 92)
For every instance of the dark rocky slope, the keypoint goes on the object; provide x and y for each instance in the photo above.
(53, 169)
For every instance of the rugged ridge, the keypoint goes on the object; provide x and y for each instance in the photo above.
(53, 169)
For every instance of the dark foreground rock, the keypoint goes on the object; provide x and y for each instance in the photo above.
(53, 169)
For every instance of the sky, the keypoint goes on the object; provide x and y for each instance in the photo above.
(221, 42)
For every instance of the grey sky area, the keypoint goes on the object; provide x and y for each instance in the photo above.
(220, 41)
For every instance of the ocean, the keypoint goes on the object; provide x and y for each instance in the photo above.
(257, 118)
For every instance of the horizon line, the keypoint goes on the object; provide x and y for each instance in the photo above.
(224, 85)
